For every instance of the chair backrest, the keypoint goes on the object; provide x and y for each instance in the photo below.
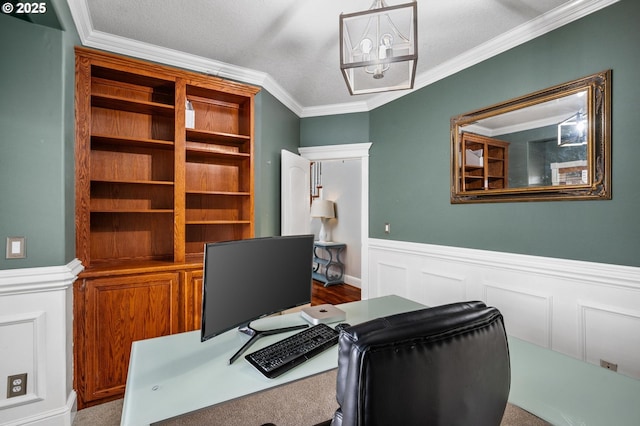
(447, 365)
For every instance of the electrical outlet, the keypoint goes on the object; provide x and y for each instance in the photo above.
(608, 365)
(17, 385)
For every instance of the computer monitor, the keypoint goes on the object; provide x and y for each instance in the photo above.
(248, 279)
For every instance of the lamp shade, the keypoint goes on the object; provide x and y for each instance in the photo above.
(378, 48)
(322, 209)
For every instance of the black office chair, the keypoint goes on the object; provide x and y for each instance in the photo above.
(447, 365)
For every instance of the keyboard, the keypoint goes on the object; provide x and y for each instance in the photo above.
(282, 356)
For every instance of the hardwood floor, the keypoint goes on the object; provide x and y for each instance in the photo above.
(333, 294)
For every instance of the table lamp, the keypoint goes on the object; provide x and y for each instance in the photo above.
(323, 209)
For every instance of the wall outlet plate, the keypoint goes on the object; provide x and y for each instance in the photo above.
(17, 385)
(608, 365)
(16, 248)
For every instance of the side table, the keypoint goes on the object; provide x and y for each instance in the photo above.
(328, 267)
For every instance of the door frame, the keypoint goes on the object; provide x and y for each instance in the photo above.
(343, 152)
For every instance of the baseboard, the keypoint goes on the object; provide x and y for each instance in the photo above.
(63, 416)
(353, 281)
(72, 404)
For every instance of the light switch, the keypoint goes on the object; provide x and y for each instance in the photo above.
(16, 248)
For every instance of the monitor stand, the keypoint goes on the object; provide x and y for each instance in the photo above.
(256, 334)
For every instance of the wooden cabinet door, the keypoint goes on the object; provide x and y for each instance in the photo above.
(193, 300)
(119, 311)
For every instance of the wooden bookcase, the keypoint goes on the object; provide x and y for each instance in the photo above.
(149, 194)
(488, 168)
(218, 168)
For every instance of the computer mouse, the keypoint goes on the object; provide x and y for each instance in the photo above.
(342, 326)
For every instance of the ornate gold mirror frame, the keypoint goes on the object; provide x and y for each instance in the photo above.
(554, 144)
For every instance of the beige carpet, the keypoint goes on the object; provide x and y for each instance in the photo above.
(306, 402)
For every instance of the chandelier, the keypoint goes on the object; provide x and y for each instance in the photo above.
(573, 130)
(378, 48)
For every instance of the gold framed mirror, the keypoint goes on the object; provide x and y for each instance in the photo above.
(553, 144)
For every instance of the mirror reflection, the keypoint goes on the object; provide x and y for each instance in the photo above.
(542, 145)
(545, 144)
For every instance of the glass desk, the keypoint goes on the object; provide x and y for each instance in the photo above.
(568, 392)
(177, 374)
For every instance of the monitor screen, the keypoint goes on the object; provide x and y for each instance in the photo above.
(248, 279)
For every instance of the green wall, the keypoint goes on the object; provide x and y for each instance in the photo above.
(409, 158)
(410, 155)
(276, 128)
(335, 129)
(36, 139)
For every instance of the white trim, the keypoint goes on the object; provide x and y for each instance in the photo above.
(585, 306)
(550, 21)
(32, 280)
(544, 300)
(36, 391)
(353, 281)
(81, 17)
(531, 294)
(42, 296)
(71, 408)
(63, 416)
(588, 272)
(346, 108)
(335, 152)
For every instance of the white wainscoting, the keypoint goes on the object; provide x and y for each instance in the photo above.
(36, 338)
(590, 311)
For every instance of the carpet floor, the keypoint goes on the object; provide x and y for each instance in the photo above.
(302, 403)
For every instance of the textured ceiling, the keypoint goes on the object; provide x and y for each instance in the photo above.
(294, 43)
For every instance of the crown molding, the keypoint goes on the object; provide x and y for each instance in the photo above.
(550, 21)
(346, 108)
(137, 49)
(528, 31)
(81, 18)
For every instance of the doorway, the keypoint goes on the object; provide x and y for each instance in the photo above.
(351, 154)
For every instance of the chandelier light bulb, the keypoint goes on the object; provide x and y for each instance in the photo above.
(385, 50)
(366, 45)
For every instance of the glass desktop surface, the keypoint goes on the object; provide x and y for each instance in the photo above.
(565, 391)
(173, 375)
(177, 374)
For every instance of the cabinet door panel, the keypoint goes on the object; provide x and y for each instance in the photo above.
(120, 311)
(193, 300)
